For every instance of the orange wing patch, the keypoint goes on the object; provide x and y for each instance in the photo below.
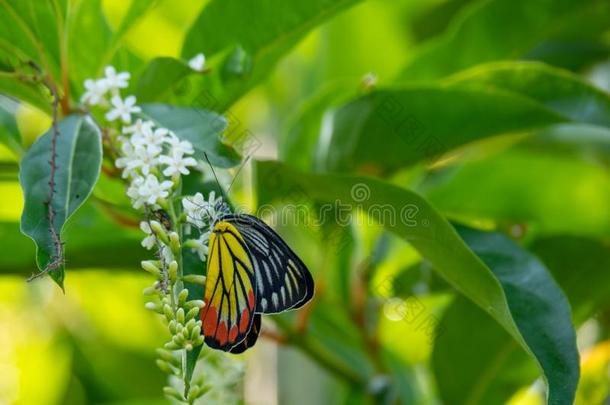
(230, 295)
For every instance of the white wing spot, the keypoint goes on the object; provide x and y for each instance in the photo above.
(275, 300)
(264, 304)
(283, 292)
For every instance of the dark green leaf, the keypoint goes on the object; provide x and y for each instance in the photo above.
(558, 90)
(580, 267)
(263, 31)
(479, 33)
(159, 77)
(503, 294)
(200, 127)
(390, 129)
(303, 129)
(78, 163)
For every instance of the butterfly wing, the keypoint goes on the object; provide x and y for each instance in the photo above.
(230, 289)
(250, 340)
(282, 280)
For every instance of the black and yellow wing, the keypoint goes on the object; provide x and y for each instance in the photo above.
(282, 280)
(230, 289)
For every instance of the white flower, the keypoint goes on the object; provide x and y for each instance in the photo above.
(200, 212)
(147, 137)
(197, 63)
(95, 92)
(201, 245)
(152, 191)
(146, 158)
(178, 145)
(139, 127)
(122, 108)
(137, 201)
(176, 163)
(115, 80)
(166, 254)
(149, 241)
(125, 161)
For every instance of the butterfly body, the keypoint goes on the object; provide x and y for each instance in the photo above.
(250, 271)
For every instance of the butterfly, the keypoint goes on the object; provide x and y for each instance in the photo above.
(250, 271)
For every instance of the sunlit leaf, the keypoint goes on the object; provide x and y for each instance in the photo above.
(9, 133)
(264, 30)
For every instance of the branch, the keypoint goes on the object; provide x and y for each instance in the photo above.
(57, 258)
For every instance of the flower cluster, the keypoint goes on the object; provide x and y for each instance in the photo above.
(152, 160)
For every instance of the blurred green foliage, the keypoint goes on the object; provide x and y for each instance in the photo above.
(490, 117)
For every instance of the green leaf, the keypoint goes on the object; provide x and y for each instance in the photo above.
(552, 193)
(303, 129)
(542, 313)
(425, 121)
(14, 85)
(558, 90)
(137, 10)
(393, 128)
(579, 265)
(9, 133)
(159, 77)
(200, 127)
(496, 292)
(475, 361)
(84, 56)
(263, 30)
(478, 34)
(78, 163)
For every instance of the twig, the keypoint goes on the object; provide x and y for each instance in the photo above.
(57, 257)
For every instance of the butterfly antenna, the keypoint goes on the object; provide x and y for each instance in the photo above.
(213, 172)
(237, 173)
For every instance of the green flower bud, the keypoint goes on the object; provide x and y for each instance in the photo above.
(164, 366)
(174, 243)
(191, 243)
(173, 271)
(178, 340)
(167, 356)
(193, 393)
(153, 306)
(150, 291)
(171, 392)
(199, 340)
(167, 311)
(149, 266)
(180, 315)
(172, 346)
(190, 325)
(188, 347)
(173, 326)
(192, 313)
(182, 297)
(195, 332)
(159, 232)
(194, 303)
(194, 278)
